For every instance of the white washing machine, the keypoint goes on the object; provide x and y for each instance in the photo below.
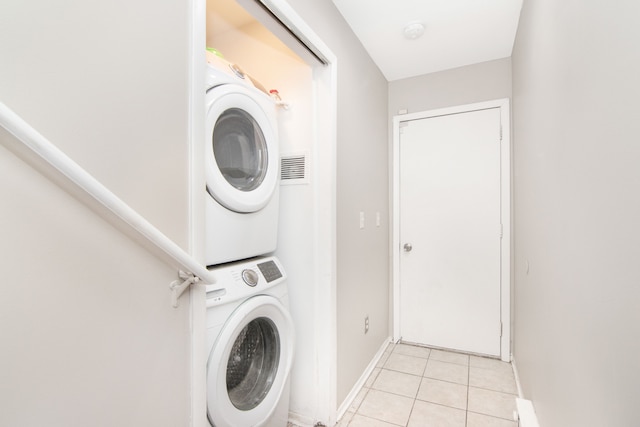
(250, 342)
(241, 166)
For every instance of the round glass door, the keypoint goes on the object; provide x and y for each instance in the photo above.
(253, 364)
(240, 149)
(249, 363)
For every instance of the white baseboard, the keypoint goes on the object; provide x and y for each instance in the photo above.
(515, 374)
(526, 412)
(300, 420)
(346, 404)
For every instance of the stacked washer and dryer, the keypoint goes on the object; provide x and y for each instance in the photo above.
(250, 336)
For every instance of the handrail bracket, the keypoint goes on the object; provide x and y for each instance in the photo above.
(179, 286)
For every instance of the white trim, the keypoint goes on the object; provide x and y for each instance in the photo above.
(346, 404)
(325, 233)
(395, 226)
(505, 197)
(298, 420)
(197, 44)
(526, 413)
(517, 377)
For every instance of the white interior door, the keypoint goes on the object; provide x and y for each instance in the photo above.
(450, 231)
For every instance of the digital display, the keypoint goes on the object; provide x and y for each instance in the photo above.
(270, 271)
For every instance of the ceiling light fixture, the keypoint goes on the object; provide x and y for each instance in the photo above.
(413, 30)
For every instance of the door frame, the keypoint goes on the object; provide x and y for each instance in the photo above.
(505, 211)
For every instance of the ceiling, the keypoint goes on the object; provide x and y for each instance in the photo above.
(456, 32)
(223, 16)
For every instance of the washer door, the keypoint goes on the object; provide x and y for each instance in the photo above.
(242, 148)
(249, 364)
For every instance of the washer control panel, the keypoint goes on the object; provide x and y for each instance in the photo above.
(244, 278)
(250, 277)
(270, 271)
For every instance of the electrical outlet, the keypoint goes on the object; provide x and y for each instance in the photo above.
(366, 324)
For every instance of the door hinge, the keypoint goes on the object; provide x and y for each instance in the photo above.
(501, 230)
(500, 132)
(500, 329)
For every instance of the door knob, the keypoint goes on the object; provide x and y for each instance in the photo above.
(407, 247)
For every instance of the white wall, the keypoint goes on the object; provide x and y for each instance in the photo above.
(577, 204)
(107, 83)
(89, 334)
(458, 86)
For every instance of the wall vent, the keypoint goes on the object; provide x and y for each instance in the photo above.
(294, 169)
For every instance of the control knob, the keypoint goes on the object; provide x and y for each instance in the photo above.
(250, 277)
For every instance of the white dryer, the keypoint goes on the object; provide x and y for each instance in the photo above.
(250, 344)
(241, 166)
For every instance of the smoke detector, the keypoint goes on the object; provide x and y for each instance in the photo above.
(413, 30)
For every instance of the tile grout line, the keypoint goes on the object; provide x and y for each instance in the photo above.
(413, 404)
(410, 412)
(466, 412)
(415, 398)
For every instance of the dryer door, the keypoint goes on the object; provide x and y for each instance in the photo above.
(242, 148)
(249, 364)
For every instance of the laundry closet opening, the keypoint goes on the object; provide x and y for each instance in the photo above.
(275, 53)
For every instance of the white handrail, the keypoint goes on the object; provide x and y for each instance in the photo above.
(121, 214)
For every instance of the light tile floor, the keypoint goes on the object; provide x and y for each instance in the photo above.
(420, 387)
